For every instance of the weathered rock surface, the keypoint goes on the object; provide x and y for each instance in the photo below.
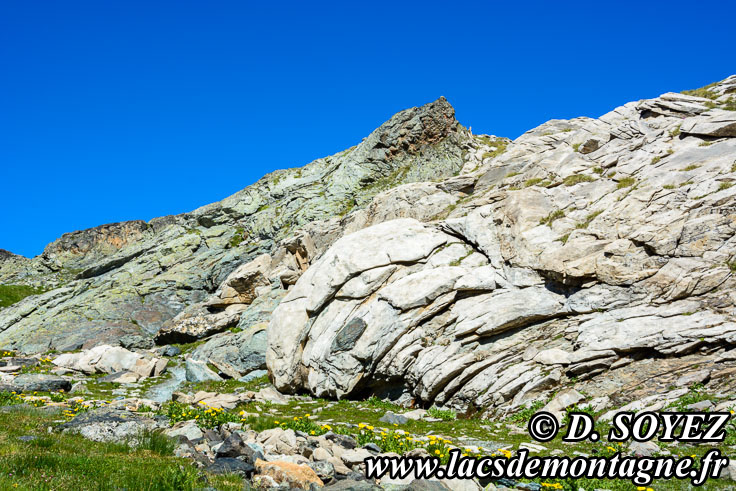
(112, 360)
(109, 425)
(589, 247)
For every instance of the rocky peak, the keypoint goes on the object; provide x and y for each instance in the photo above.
(413, 128)
(84, 247)
(5, 255)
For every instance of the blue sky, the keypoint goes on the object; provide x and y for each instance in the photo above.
(117, 110)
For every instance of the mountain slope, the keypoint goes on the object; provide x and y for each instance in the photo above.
(126, 280)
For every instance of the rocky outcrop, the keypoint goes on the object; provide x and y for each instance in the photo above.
(113, 360)
(588, 247)
(135, 278)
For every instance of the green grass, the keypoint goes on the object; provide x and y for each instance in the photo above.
(588, 219)
(499, 143)
(702, 92)
(669, 186)
(552, 217)
(690, 167)
(10, 294)
(375, 402)
(226, 386)
(239, 236)
(576, 147)
(512, 174)
(443, 414)
(675, 132)
(70, 462)
(532, 182)
(576, 179)
(656, 159)
(625, 182)
(725, 185)
(696, 393)
(522, 416)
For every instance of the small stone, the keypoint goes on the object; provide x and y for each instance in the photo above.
(293, 475)
(700, 406)
(355, 456)
(230, 466)
(320, 453)
(643, 449)
(393, 418)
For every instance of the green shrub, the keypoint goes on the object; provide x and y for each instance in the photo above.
(522, 416)
(374, 401)
(696, 393)
(10, 399)
(303, 424)
(206, 417)
(576, 409)
(443, 414)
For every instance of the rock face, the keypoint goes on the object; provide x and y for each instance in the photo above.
(135, 278)
(590, 247)
(429, 265)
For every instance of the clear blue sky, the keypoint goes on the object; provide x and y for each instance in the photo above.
(119, 110)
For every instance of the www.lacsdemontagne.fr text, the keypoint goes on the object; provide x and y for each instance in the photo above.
(641, 471)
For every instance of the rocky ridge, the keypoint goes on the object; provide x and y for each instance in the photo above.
(587, 264)
(131, 279)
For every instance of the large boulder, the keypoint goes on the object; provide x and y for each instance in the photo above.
(235, 354)
(561, 266)
(112, 360)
